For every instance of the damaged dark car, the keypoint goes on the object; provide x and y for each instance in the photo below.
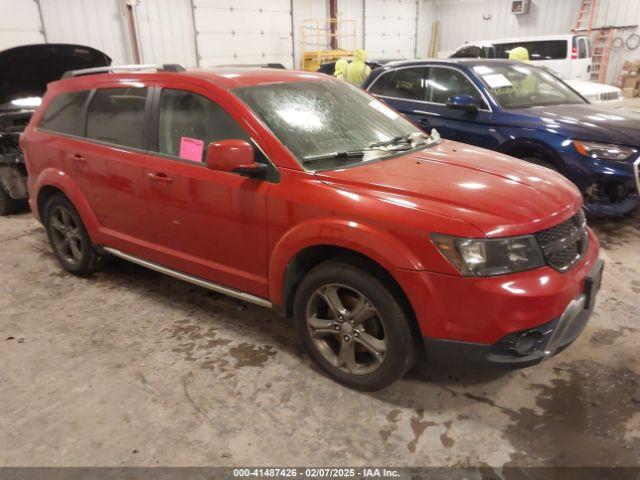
(24, 74)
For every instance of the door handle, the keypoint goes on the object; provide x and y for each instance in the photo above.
(159, 177)
(77, 158)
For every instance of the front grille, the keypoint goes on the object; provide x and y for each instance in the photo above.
(564, 244)
(609, 96)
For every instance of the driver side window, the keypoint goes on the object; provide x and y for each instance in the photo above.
(443, 83)
(189, 122)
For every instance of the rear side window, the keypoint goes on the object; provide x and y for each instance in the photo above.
(538, 50)
(64, 113)
(189, 122)
(116, 115)
(406, 83)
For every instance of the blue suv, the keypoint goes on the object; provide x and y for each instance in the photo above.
(526, 112)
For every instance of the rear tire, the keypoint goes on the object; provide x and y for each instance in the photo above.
(8, 205)
(353, 327)
(69, 238)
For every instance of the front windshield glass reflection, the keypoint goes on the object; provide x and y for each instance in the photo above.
(524, 86)
(330, 124)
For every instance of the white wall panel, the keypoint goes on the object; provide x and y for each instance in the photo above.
(619, 13)
(243, 32)
(19, 24)
(390, 28)
(467, 20)
(96, 23)
(306, 10)
(462, 20)
(353, 10)
(166, 32)
(426, 17)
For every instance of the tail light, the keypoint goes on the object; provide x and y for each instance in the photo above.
(574, 53)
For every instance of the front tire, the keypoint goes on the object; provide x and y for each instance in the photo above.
(69, 238)
(353, 326)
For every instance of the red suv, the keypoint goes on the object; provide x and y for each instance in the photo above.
(299, 192)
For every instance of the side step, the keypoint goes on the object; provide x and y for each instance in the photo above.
(247, 297)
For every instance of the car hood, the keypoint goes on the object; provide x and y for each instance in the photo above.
(26, 70)
(585, 87)
(584, 122)
(497, 194)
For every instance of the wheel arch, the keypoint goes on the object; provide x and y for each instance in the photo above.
(526, 147)
(51, 182)
(380, 246)
(309, 257)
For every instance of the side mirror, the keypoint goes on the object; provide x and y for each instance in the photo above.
(236, 156)
(463, 102)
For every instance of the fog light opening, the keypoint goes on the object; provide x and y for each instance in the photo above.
(527, 343)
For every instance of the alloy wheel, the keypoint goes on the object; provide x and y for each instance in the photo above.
(346, 328)
(66, 236)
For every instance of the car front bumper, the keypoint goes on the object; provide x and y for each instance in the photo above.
(484, 312)
(533, 345)
(610, 188)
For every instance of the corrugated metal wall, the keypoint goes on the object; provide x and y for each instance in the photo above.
(304, 10)
(20, 27)
(619, 13)
(467, 20)
(353, 10)
(257, 31)
(426, 17)
(98, 24)
(166, 32)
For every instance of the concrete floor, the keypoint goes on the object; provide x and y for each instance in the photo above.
(134, 368)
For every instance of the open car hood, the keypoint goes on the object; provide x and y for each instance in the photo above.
(26, 70)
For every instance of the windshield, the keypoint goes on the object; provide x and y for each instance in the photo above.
(524, 86)
(330, 124)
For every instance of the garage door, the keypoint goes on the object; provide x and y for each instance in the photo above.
(390, 28)
(243, 32)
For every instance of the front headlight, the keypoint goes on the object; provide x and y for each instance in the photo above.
(486, 257)
(604, 151)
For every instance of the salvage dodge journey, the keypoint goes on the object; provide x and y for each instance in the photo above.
(301, 193)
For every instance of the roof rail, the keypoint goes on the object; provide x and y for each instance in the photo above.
(168, 67)
(251, 65)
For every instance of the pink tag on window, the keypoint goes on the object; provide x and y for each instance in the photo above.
(191, 149)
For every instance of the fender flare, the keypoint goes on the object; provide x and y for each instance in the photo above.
(379, 246)
(51, 177)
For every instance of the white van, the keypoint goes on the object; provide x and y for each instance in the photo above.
(568, 54)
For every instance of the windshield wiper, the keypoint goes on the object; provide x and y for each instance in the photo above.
(395, 144)
(391, 141)
(407, 139)
(336, 155)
